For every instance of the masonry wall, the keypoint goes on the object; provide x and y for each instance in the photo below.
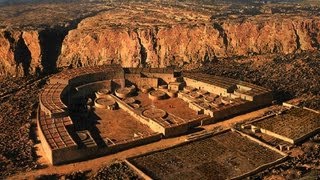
(244, 96)
(66, 155)
(165, 77)
(98, 76)
(208, 87)
(276, 135)
(117, 83)
(141, 81)
(149, 122)
(134, 142)
(153, 125)
(176, 130)
(263, 99)
(45, 146)
(90, 88)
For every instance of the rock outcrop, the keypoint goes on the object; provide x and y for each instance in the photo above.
(24, 52)
(135, 36)
(100, 40)
(20, 52)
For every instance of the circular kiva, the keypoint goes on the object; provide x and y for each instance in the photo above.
(189, 89)
(202, 92)
(135, 105)
(234, 96)
(89, 102)
(216, 104)
(146, 88)
(194, 95)
(132, 88)
(226, 100)
(163, 86)
(129, 100)
(102, 93)
(123, 92)
(211, 95)
(204, 105)
(157, 95)
(154, 113)
(105, 103)
(83, 136)
(209, 99)
(172, 93)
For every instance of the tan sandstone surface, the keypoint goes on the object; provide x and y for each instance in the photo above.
(159, 39)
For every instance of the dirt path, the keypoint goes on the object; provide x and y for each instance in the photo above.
(95, 164)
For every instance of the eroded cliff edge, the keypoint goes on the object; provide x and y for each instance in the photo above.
(182, 44)
(145, 36)
(25, 52)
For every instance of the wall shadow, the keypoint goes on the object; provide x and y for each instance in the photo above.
(22, 55)
(84, 119)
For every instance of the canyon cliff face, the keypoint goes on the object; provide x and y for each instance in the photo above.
(25, 52)
(136, 37)
(20, 53)
(181, 44)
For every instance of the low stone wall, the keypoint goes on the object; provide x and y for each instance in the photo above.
(304, 137)
(137, 141)
(289, 105)
(260, 168)
(142, 81)
(312, 110)
(94, 76)
(67, 155)
(50, 100)
(129, 109)
(270, 133)
(117, 83)
(174, 146)
(259, 142)
(138, 171)
(209, 87)
(292, 141)
(176, 130)
(45, 146)
(165, 78)
(49, 152)
(91, 88)
(264, 166)
(153, 125)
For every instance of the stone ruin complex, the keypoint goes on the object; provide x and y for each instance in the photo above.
(92, 111)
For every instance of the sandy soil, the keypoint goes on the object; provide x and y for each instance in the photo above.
(118, 125)
(222, 156)
(175, 106)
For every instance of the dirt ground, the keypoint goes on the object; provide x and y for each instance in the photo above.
(175, 106)
(116, 170)
(293, 123)
(223, 156)
(119, 125)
